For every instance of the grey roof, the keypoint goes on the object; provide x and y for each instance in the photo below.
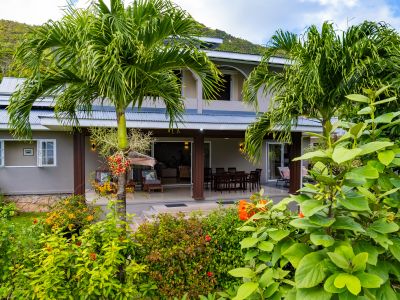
(153, 118)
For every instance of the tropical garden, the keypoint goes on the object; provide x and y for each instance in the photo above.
(342, 243)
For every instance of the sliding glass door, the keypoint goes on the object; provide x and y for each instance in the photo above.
(277, 156)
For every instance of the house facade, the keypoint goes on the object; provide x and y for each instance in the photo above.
(57, 161)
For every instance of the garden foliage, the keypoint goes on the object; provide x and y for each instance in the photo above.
(71, 214)
(7, 209)
(97, 264)
(190, 256)
(345, 243)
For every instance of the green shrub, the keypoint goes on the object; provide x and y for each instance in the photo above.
(345, 243)
(71, 214)
(7, 209)
(15, 244)
(190, 255)
(221, 225)
(98, 264)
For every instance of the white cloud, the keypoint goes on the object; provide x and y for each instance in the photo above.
(255, 20)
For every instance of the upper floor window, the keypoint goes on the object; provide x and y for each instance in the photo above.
(225, 89)
(46, 153)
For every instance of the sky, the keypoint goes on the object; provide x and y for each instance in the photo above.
(254, 20)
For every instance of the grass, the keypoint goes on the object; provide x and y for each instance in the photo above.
(25, 219)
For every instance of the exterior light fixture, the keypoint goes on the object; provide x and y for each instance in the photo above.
(186, 146)
(201, 129)
(92, 146)
(241, 147)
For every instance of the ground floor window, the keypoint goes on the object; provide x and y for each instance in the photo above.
(46, 153)
(32, 153)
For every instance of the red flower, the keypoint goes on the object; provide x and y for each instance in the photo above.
(210, 274)
(79, 243)
(208, 238)
(301, 215)
(35, 221)
(92, 256)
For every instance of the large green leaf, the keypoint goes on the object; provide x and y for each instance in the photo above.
(322, 239)
(352, 283)
(363, 246)
(316, 293)
(310, 271)
(374, 146)
(303, 223)
(245, 290)
(359, 262)
(295, 253)
(382, 226)
(386, 157)
(339, 260)
(248, 242)
(348, 224)
(266, 278)
(321, 220)
(365, 172)
(365, 111)
(329, 285)
(395, 248)
(265, 246)
(309, 155)
(242, 272)
(386, 118)
(358, 98)
(278, 234)
(341, 154)
(370, 281)
(310, 207)
(355, 201)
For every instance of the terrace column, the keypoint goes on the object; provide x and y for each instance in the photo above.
(79, 163)
(198, 164)
(295, 166)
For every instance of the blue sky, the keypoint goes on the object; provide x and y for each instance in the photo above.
(255, 20)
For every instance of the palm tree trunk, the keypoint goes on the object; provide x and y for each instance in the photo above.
(122, 178)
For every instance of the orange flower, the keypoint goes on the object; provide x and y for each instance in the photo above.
(301, 215)
(243, 215)
(89, 218)
(92, 256)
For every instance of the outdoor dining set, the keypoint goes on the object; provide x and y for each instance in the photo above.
(232, 180)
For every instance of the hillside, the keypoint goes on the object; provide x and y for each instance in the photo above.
(231, 43)
(12, 32)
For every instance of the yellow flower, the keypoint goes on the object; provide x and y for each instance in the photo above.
(71, 216)
(89, 218)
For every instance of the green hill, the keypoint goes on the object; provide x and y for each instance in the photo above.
(11, 33)
(231, 43)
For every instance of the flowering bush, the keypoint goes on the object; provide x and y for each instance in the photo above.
(190, 256)
(81, 267)
(248, 209)
(104, 188)
(118, 163)
(71, 214)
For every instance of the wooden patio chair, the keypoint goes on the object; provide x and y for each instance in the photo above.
(150, 182)
(285, 176)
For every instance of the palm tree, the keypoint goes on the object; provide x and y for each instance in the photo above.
(113, 54)
(324, 66)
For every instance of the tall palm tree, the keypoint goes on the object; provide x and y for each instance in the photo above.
(324, 66)
(116, 54)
